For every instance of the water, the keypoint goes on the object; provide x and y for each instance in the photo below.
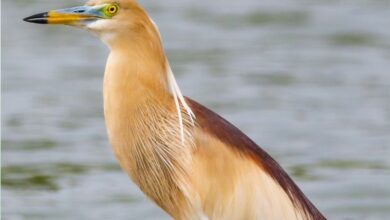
(307, 80)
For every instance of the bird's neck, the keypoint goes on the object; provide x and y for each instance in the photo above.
(141, 105)
(135, 77)
(137, 68)
(139, 58)
(143, 126)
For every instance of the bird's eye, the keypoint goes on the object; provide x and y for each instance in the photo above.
(111, 10)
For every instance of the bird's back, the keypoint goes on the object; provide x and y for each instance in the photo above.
(236, 179)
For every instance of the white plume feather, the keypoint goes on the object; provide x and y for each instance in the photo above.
(179, 101)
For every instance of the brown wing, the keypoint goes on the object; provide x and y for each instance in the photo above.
(214, 124)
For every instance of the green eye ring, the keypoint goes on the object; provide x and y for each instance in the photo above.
(111, 10)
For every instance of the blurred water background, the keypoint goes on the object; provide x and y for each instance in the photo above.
(307, 80)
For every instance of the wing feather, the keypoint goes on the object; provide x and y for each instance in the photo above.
(220, 128)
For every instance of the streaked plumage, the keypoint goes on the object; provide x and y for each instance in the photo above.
(186, 158)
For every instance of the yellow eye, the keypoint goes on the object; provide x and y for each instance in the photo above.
(111, 10)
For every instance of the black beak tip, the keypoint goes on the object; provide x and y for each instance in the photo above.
(40, 18)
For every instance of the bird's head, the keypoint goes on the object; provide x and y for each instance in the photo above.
(111, 20)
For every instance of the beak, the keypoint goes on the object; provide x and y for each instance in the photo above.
(69, 16)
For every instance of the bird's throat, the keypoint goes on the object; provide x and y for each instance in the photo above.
(130, 81)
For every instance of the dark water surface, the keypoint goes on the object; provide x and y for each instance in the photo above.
(307, 80)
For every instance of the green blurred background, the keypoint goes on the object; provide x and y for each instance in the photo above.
(308, 80)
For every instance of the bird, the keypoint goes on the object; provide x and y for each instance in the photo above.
(186, 158)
